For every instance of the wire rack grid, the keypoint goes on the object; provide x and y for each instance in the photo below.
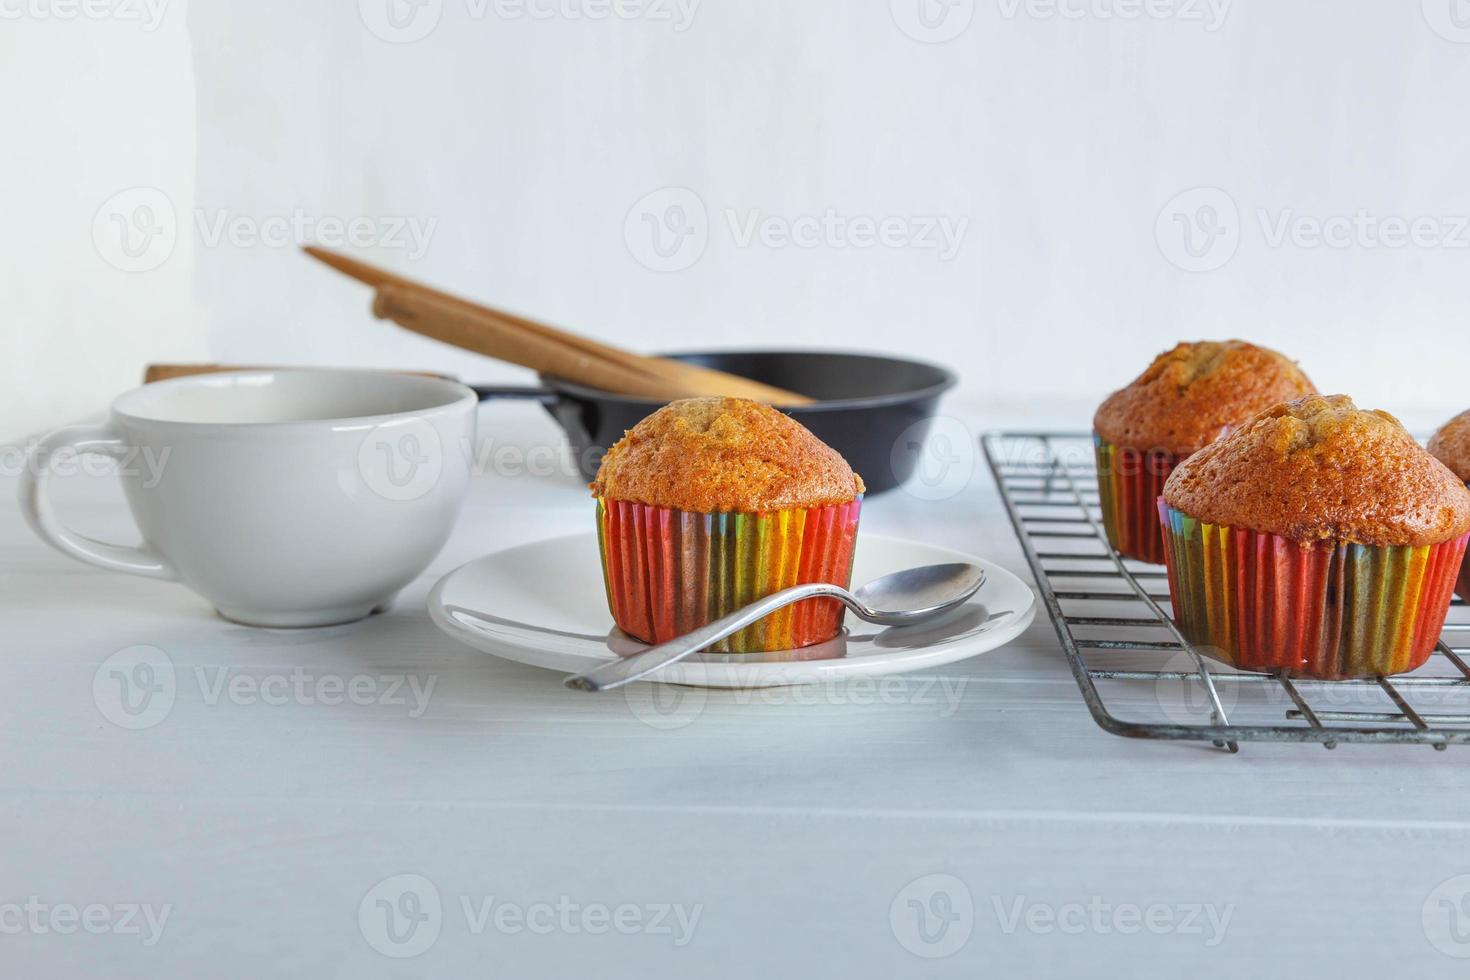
(1138, 675)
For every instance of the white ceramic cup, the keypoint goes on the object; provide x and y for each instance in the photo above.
(285, 498)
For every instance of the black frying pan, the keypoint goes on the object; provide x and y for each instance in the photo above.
(866, 403)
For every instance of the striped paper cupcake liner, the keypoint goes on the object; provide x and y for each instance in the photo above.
(1329, 611)
(1463, 585)
(1129, 482)
(670, 571)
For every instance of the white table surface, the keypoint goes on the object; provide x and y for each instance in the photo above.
(792, 828)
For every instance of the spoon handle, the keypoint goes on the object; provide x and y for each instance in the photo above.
(618, 672)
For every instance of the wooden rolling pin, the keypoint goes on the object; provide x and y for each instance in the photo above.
(514, 338)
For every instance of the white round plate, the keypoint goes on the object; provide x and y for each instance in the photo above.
(544, 604)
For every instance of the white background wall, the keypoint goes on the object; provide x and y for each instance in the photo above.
(526, 136)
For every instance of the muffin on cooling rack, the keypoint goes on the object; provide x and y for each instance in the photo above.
(712, 503)
(1317, 539)
(1451, 445)
(1188, 397)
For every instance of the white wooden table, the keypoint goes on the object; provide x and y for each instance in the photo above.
(294, 775)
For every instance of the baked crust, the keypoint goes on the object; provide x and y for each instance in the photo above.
(1191, 395)
(716, 455)
(1318, 469)
(1451, 444)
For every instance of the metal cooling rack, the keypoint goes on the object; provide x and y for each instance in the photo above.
(1142, 679)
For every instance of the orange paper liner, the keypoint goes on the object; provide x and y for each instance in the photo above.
(1328, 611)
(669, 571)
(1129, 482)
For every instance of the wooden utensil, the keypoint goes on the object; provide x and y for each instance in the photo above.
(486, 333)
(163, 372)
(508, 336)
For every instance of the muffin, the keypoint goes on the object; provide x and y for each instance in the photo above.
(1318, 539)
(712, 503)
(1451, 445)
(1188, 397)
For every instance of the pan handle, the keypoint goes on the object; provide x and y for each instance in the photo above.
(544, 396)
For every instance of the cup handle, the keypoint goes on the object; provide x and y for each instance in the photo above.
(100, 440)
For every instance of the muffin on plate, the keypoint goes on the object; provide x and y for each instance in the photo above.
(1188, 397)
(1451, 445)
(1318, 539)
(712, 503)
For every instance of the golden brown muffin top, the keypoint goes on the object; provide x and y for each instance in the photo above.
(715, 455)
(1319, 468)
(1191, 395)
(1451, 444)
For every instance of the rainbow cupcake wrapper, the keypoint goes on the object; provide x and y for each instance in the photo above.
(1463, 585)
(1129, 483)
(671, 571)
(1330, 611)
